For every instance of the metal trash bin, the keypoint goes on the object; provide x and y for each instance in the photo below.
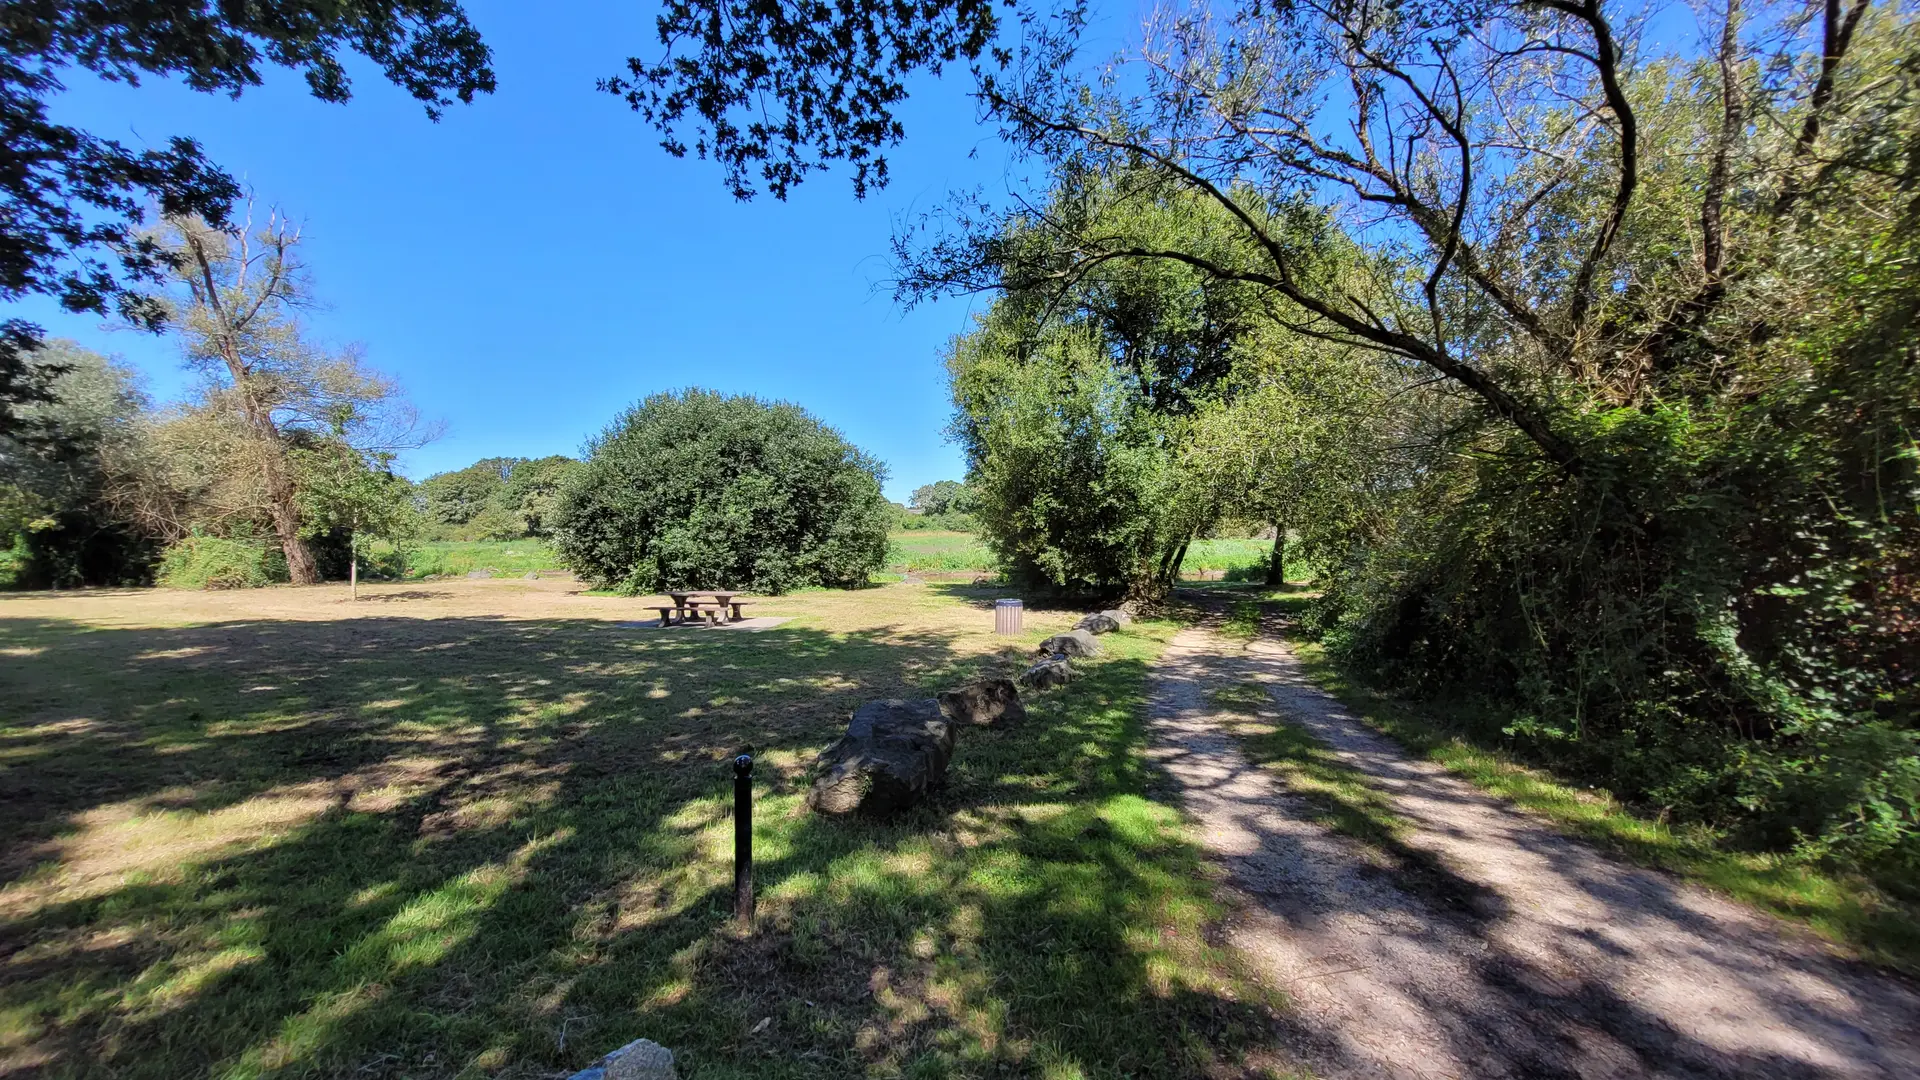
(1006, 616)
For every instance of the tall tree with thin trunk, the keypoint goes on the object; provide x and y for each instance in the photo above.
(242, 290)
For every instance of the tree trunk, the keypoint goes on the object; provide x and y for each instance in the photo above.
(1171, 572)
(301, 569)
(353, 565)
(1277, 566)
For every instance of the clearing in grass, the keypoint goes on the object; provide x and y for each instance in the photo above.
(481, 828)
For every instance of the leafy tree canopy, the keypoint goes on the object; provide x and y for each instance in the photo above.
(72, 203)
(458, 496)
(781, 89)
(940, 497)
(500, 498)
(696, 489)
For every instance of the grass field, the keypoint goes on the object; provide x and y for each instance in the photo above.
(480, 828)
(955, 551)
(456, 558)
(917, 551)
(928, 549)
(1226, 555)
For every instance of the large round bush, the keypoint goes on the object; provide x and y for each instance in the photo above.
(700, 490)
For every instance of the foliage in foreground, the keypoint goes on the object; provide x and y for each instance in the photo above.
(74, 205)
(697, 489)
(281, 436)
(1639, 456)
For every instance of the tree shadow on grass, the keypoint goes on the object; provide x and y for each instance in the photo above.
(983, 596)
(397, 847)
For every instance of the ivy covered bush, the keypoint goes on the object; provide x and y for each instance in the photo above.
(220, 562)
(701, 490)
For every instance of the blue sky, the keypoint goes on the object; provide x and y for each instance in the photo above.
(534, 263)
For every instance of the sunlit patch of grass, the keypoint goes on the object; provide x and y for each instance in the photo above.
(454, 558)
(1844, 908)
(1243, 619)
(932, 549)
(1226, 553)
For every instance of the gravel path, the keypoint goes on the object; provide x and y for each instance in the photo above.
(1486, 944)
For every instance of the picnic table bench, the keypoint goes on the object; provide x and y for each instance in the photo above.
(719, 607)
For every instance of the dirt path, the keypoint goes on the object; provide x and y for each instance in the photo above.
(1488, 945)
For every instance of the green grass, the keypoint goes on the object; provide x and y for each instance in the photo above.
(382, 846)
(1226, 554)
(927, 549)
(1845, 908)
(455, 558)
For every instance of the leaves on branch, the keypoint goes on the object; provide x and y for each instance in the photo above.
(782, 88)
(73, 204)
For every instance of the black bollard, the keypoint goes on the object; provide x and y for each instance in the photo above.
(743, 838)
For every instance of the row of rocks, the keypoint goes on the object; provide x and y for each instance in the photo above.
(896, 751)
(1055, 668)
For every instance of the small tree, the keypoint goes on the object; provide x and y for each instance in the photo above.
(697, 489)
(1074, 480)
(340, 488)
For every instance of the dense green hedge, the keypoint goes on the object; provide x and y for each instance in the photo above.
(1717, 620)
(697, 489)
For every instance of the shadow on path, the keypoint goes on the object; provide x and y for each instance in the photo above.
(1470, 939)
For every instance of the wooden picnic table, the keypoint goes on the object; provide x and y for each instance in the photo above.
(687, 602)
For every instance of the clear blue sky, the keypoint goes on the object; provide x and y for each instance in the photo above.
(534, 263)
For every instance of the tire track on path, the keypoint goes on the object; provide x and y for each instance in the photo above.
(1512, 951)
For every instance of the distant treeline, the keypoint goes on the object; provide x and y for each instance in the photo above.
(497, 498)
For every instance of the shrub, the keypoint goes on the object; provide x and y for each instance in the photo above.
(1071, 479)
(13, 563)
(702, 490)
(218, 562)
(1714, 621)
(74, 547)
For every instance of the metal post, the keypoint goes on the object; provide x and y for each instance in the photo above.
(743, 838)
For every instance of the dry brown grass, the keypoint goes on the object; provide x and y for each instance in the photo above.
(514, 599)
